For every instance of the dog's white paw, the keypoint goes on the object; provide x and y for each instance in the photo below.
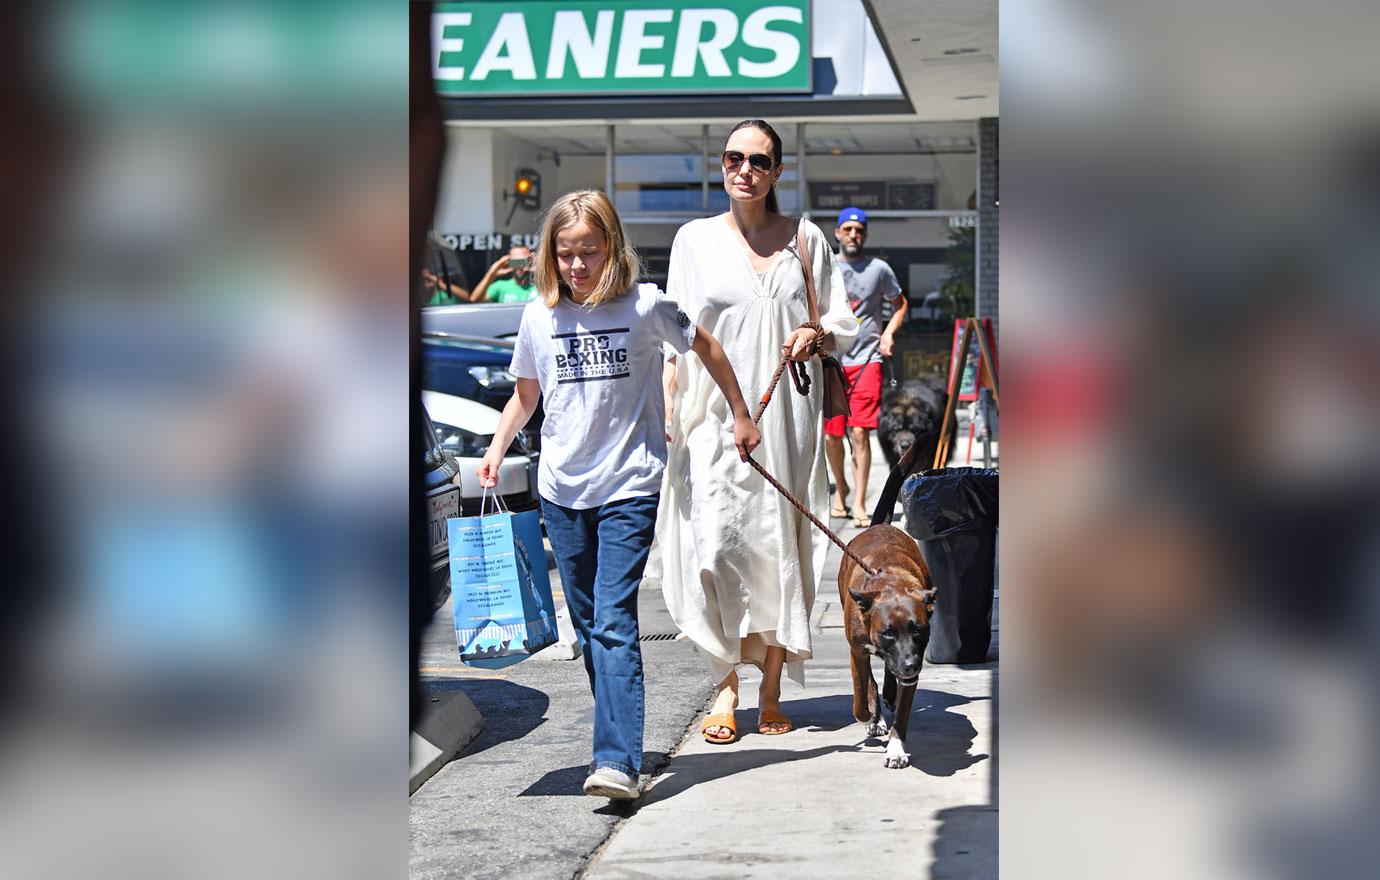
(896, 754)
(877, 727)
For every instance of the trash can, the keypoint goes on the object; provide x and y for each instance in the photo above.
(952, 512)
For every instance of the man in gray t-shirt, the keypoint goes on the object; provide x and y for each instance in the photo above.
(869, 283)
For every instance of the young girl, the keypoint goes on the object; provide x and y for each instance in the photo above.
(591, 345)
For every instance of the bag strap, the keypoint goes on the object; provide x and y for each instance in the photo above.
(490, 498)
(804, 253)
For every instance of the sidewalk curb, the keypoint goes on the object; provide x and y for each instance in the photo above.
(446, 726)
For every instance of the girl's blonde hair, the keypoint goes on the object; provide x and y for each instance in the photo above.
(621, 265)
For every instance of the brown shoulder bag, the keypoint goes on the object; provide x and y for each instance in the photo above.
(835, 383)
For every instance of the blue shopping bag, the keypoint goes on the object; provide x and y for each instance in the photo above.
(500, 589)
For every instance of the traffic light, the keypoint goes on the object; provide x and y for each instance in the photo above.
(526, 188)
(526, 191)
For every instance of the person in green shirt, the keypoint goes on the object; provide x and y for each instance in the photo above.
(509, 279)
(433, 295)
(443, 279)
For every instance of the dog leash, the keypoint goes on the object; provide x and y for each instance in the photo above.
(799, 375)
(801, 378)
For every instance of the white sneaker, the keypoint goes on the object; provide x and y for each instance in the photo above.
(610, 783)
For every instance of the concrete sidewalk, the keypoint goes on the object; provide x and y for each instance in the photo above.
(818, 802)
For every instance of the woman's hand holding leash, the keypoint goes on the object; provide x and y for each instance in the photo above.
(802, 343)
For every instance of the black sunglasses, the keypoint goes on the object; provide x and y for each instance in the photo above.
(733, 160)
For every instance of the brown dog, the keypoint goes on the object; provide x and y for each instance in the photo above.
(887, 614)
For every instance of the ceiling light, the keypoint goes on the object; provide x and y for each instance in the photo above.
(966, 50)
(969, 97)
(836, 151)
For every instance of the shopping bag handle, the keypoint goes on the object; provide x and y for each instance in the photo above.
(485, 496)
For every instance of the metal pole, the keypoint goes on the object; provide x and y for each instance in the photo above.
(608, 164)
(977, 236)
(985, 413)
(800, 169)
(704, 168)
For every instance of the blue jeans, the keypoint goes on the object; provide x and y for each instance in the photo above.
(600, 553)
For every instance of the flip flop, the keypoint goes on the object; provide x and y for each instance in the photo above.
(769, 716)
(723, 719)
(861, 521)
(838, 511)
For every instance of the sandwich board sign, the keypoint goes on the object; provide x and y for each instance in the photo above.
(968, 384)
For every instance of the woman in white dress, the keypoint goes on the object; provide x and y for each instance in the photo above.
(740, 565)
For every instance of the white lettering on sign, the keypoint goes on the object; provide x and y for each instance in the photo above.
(689, 42)
(634, 40)
(699, 45)
(590, 52)
(510, 34)
(482, 241)
(758, 35)
(439, 22)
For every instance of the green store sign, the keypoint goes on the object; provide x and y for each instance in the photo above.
(551, 47)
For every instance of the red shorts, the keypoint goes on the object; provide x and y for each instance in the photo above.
(864, 400)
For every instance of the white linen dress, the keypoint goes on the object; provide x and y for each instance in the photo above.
(739, 565)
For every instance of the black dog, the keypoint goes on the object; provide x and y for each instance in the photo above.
(911, 414)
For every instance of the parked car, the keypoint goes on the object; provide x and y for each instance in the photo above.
(464, 429)
(487, 320)
(443, 502)
(476, 369)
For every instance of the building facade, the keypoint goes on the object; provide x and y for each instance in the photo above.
(637, 99)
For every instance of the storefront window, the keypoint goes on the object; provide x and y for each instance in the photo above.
(915, 181)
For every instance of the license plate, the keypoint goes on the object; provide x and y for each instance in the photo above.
(442, 507)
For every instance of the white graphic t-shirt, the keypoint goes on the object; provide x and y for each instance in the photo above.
(868, 281)
(600, 372)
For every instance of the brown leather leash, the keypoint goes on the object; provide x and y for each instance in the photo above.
(801, 377)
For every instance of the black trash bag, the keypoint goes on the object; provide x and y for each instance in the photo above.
(952, 512)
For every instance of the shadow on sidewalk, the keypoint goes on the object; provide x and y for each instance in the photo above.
(569, 780)
(967, 841)
(966, 844)
(691, 770)
(938, 740)
(510, 710)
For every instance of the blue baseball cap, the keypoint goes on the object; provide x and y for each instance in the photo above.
(850, 213)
